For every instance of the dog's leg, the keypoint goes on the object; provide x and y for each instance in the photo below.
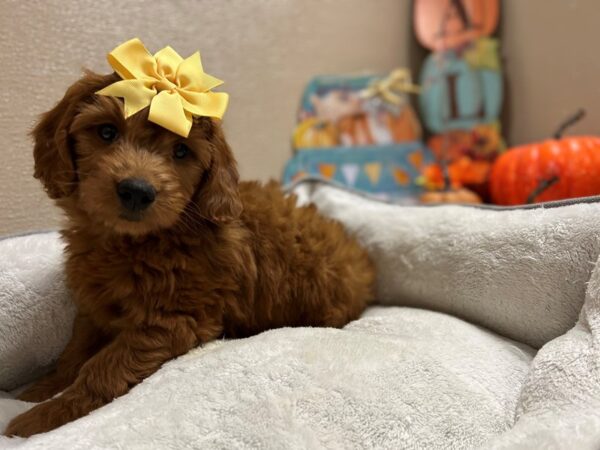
(132, 356)
(85, 341)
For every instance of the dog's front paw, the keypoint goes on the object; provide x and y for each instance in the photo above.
(40, 419)
(9, 409)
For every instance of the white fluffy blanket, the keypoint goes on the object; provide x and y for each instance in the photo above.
(399, 377)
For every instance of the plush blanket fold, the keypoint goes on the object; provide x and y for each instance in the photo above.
(402, 376)
(394, 377)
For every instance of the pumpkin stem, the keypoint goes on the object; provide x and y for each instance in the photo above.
(446, 175)
(541, 187)
(580, 114)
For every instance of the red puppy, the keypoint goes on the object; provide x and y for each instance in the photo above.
(166, 251)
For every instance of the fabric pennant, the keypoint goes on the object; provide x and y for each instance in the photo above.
(401, 176)
(350, 172)
(327, 170)
(416, 159)
(373, 171)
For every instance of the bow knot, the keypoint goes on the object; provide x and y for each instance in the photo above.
(166, 85)
(391, 88)
(176, 89)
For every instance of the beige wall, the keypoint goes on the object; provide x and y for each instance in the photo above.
(266, 50)
(552, 65)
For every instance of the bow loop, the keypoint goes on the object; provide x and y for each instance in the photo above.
(199, 103)
(131, 60)
(137, 94)
(190, 75)
(167, 111)
(176, 89)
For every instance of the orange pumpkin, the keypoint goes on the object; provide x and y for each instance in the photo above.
(315, 133)
(462, 172)
(462, 195)
(446, 24)
(551, 170)
(404, 127)
(482, 142)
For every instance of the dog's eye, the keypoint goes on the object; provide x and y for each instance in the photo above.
(181, 151)
(108, 132)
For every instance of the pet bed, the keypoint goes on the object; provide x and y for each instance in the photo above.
(489, 338)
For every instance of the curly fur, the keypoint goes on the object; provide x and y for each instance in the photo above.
(211, 257)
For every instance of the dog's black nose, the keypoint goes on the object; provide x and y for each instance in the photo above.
(135, 194)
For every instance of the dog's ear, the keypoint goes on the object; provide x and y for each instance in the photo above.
(52, 152)
(218, 198)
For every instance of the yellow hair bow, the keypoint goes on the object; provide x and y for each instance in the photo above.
(175, 88)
